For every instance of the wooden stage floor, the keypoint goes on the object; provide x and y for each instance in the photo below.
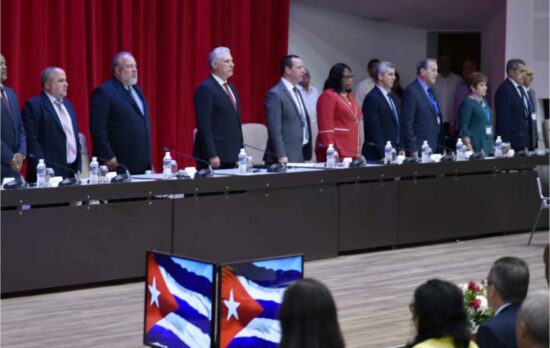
(372, 291)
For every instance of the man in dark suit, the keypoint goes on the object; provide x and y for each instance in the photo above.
(217, 113)
(14, 142)
(289, 129)
(380, 114)
(119, 119)
(507, 286)
(52, 128)
(420, 112)
(513, 114)
(532, 322)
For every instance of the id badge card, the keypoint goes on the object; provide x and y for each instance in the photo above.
(488, 130)
(534, 116)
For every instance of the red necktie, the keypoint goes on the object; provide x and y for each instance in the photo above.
(6, 101)
(230, 95)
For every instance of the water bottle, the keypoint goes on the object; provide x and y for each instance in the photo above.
(388, 149)
(243, 159)
(460, 150)
(498, 147)
(426, 152)
(41, 173)
(167, 165)
(331, 163)
(336, 158)
(94, 171)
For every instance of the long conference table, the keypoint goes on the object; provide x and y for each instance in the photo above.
(89, 234)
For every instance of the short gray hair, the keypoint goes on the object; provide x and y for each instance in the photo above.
(423, 64)
(534, 313)
(216, 53)
(513, 64)
(383, 66)
(117, 59)
(47, 74)
(510, 276)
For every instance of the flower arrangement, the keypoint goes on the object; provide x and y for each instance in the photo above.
(475, 301)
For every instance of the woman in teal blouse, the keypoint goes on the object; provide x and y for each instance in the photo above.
(476, 117)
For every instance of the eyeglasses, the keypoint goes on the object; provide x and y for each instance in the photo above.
(348, 77)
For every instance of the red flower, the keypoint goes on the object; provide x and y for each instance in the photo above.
(476, 304)
(473, 287)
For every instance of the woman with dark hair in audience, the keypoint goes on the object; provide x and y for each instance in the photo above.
(476, 117)
(338, 115)
(308, 317)
(440, 317)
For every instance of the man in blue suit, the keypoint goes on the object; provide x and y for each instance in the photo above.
(420, 112)
(51, 127)
(380, 114)
(507, 286)
(119, 119)
(14, 142)
(217, 112)
(513, 110)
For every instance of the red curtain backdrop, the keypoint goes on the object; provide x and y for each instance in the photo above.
(170, 40)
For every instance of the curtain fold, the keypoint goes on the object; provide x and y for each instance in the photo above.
(170, 40)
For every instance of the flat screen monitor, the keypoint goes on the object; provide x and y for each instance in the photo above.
(179, 298)
(250, 295)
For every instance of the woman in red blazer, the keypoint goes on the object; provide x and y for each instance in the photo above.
(338, 115)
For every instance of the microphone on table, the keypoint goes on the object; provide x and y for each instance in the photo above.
(120, 177)
(359, 160)
(202, 173)
(273, 168)
(408, 160)
(67, 181)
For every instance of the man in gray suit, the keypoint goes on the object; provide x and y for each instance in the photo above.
(288, 122)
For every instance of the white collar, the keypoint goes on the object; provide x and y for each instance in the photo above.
(219, 80)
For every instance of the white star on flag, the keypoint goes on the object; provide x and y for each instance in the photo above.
(154, 293)
(231, 307)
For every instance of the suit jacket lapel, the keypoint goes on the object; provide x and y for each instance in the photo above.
(427, 100)
(48, 105)
(123, 91)
(385, 103)
(221, 91)
(290, 99)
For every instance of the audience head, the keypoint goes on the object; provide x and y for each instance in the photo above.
(125, 68)
(444, 65)
(532, 321)
(426, 70)
(54, 82)
(340, 78)
(3, 69)
(292, 69)
(529, 76)
(507, 282)
(477, 82)
(371, 67)
(306, 79)
(515, 68)
(308, 317)
(468, 68)
(221, 63)
(385, 75)
(438, 311)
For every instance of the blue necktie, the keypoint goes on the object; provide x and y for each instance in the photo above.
(395, 116)
(434, 103)
(525, 101)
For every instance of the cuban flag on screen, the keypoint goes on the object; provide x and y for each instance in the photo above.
(178, 302)
(250, 298)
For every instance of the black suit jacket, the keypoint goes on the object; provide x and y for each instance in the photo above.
(499, 331)
(419, 120)
(119, 128)
(219, 131)
(46, 138)
(513, 124)
(379, 124)
(13, 133)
